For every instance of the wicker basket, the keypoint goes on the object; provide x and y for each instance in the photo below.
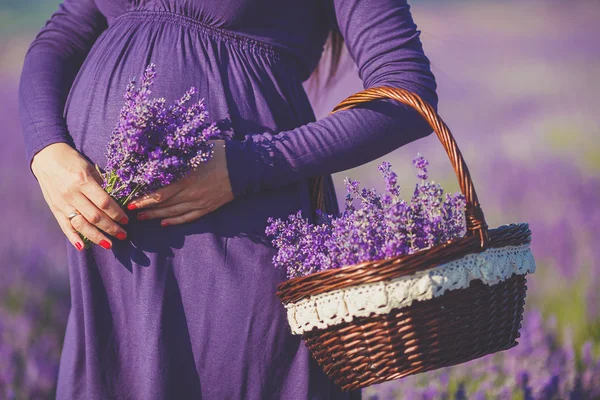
(467, 295)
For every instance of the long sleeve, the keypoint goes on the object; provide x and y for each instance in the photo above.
(49, 68)
(383, 41)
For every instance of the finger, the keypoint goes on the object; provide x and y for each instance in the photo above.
(68, 230)
(183, 218)
(81, 225)
(63, 223)
(166, 211)
(104, 202)
(158, 196)
(97, 217)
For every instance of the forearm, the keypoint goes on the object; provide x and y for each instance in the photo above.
(343, 140)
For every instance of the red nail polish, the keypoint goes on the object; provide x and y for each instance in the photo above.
(164, 223)
(142, 216)
(131, 206)
(79, 246)
(105, 244)
(121, 235)
(124, 220)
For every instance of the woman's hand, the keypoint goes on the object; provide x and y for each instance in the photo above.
(69, 184)
(203, 190)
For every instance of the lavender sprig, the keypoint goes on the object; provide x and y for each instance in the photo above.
(383, 226)
(154, 144)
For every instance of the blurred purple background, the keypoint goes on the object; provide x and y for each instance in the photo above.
(518, 84)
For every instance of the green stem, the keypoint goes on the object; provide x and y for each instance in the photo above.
(133, 192)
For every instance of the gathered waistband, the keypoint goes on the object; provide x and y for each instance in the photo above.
(212, 31)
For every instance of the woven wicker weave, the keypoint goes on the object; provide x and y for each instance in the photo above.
(456, 327)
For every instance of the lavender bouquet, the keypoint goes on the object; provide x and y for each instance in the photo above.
(383, 226)
(154, 144)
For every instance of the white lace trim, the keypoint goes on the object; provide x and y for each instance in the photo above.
(342, 305)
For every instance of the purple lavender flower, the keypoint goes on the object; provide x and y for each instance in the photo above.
(391, 179)
(383, 226)
(154, 144)
(302, 245)
(421, 164)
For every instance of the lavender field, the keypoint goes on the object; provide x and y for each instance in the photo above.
(518, 86)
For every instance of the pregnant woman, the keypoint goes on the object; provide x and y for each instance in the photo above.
(177, 299)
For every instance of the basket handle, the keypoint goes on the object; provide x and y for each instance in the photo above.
(474, 215)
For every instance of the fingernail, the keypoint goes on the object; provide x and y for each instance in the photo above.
(105, 244)
(131, 206)
(142, 216)
(124, 220)
(121, 235)
(164, 223)
(79, 246)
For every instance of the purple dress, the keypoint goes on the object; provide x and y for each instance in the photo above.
(189, 311)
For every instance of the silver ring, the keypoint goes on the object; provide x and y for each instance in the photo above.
(73, 215)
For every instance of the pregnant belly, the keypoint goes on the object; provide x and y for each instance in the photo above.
(238, 84)
(253, 88)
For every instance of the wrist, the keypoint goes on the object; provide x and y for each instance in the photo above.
(49, 152)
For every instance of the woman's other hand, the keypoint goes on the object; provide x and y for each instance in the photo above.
(202, 191)
(69, 184)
